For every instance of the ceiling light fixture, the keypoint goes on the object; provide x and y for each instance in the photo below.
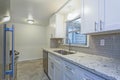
(30, 21)
(6, 19)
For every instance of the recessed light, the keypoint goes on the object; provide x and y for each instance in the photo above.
(30, 21)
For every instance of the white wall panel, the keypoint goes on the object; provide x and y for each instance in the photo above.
(29, 41)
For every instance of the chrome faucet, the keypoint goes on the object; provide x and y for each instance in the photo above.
(69, 42)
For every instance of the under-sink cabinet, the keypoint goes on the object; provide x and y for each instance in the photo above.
(60, 69)
(58, 64)
(55, 70)
(50, 68)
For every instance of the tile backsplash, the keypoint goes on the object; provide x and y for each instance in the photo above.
(111, 46)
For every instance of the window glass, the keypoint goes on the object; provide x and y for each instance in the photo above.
(73, 33)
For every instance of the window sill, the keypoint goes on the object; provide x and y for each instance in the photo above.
(73, 45)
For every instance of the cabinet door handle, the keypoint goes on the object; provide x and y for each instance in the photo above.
(100, 25)
(95, 26)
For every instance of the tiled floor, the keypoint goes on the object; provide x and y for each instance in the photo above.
(31, 70)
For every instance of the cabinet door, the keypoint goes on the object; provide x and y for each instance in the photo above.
(70, 71)
(58, 73)
(80, 74)
(52, 26)
(112, 14)
(59, 26)
(102, 15)
(50, 68)
(67, 77)
(58, 69)
(86, 75)
(89, 18)
(52, 31)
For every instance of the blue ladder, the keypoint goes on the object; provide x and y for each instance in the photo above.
(9, 72)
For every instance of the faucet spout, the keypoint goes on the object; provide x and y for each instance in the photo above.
(69, 44)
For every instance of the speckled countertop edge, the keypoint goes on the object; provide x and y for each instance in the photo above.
(75, 62)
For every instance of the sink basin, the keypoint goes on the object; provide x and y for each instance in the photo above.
(63, 52)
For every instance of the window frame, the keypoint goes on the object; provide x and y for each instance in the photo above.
(77, 45)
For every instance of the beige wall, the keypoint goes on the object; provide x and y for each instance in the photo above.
(29, 41)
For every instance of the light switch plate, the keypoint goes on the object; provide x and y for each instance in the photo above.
(102, 42)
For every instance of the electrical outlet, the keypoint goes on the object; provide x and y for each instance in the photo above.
(102, 42)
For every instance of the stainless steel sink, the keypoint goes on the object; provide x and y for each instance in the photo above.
(63, 52)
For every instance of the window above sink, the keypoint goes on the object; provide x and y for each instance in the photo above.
(73, 34)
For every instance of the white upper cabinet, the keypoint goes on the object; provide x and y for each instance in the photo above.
(112, 14)
(100, 16)
(89, 15)
(57, 25)
(101, 20)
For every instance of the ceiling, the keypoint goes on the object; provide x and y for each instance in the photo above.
(39, 10)
(21, 10)
(4, 8)
(71, 6)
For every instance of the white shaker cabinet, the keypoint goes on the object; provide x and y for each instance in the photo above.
(70, 71)
(57, 25)
(86, 75)
(89, 16)
(55, 70)
(112, 15)
(58, 69)
(100, 16)
(58, 73)
(51, 67)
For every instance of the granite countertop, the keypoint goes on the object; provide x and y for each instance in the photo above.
(103, 66)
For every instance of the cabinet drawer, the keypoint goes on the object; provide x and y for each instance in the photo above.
(70, 71)
(58, 60)
(70, 68)
(86, 75)
(91, 77)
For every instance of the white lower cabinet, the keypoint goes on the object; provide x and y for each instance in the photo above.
(86, 75)
(70, 72)
(58, 75)
(55, 70)
(50, 68)
(59, 69)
